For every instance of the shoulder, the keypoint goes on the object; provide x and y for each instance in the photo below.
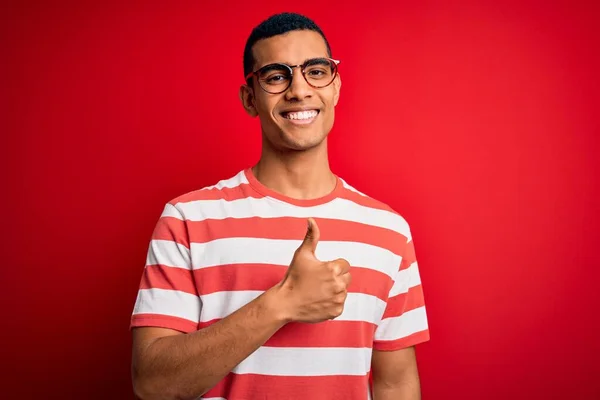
(376, 210)
(231, 188)
(193, 204)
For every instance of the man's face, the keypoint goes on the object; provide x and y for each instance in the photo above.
(281, 125)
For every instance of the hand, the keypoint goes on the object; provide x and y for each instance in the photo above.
(312, 290)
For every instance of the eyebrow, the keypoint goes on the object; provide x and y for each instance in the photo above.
(317, 61)
(270, 67)
(309, 61)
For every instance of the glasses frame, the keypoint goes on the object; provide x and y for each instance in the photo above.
(291, 68)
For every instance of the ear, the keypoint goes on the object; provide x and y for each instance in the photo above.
(337, 85)
(248, 101)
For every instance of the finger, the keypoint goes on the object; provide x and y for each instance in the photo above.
(334, 267)
(339, 286)
(341, 266)
(347, 279)
(341, 297)
(311, 239)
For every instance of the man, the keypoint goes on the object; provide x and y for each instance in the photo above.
(240, 299)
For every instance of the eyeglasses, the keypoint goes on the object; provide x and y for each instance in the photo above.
(277, 77)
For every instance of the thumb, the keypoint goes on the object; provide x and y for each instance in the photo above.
(312, 237)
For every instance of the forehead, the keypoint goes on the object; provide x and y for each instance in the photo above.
(292, 48)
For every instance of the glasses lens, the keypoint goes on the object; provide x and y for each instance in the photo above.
(274, 78)
(320, 72)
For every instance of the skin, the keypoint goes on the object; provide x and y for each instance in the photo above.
(294, 159)
(168, 364)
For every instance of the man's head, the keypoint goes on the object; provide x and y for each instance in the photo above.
(295, 105)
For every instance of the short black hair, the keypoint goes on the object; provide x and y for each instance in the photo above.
(278, 24)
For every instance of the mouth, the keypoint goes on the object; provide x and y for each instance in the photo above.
(300, 117)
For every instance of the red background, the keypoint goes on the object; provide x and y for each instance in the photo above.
(476, 121)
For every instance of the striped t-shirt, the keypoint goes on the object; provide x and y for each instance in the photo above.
(216, 249)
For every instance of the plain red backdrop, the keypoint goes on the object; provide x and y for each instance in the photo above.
(476, 121)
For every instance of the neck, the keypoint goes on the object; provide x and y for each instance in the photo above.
(302, 175)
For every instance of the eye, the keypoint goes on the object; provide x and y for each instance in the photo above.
(316, 72)
(275, 78)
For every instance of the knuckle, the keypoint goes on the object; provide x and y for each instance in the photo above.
(343, 267)
(334, 268)
(336, 312)
(348, 278)
(339, 287)
(339, 299)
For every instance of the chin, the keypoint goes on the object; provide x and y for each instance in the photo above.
(293, 138)
(302, 140)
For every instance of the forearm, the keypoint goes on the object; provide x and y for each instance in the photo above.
(186, 366)
(407, 389)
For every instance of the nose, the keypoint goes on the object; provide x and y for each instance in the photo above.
(299, 89)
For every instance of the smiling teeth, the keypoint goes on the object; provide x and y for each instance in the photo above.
(301, 115)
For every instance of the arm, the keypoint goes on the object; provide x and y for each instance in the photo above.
(169, 364)
(404, 325)
(395, 375)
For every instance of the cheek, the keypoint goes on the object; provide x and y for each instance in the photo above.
(262, 103)
(267, 110)
(330, 107)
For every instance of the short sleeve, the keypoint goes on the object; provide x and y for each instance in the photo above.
(404, 322)
(167, 296)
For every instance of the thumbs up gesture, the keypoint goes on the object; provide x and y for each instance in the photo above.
(313, 290)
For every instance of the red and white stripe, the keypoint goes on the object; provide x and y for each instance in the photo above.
(216, 249)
